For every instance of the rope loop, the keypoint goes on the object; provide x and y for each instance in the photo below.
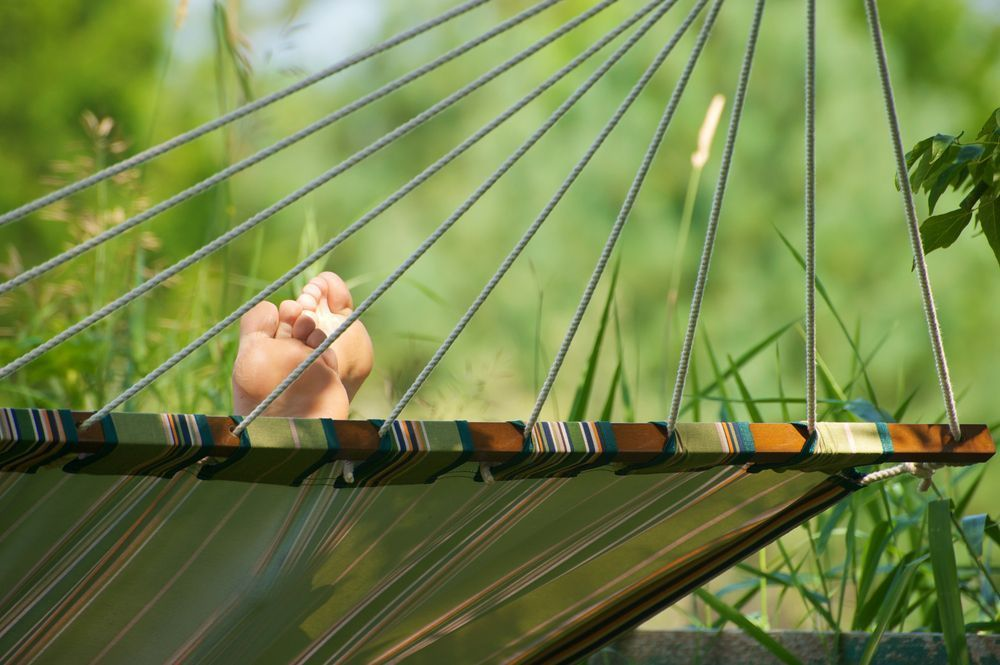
(923, 470)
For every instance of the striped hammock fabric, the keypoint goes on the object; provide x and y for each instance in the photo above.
(158, 539)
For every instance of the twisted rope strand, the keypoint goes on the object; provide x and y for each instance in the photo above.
(364, 220)
(560, 193)
(623, 215)
(810, 205)
(713, 220)
(919, 260)
(233, 233)
(270, 151)
(236, 114)
(403, 267)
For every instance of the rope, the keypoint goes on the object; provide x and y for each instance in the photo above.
(713, 220)
(923, 470)
(810, 205)
(919, 260)
(272, 150)
(362, 221)
(245, 110)
(233, 233)
(623, 215)
(403, 267)
(563, 188)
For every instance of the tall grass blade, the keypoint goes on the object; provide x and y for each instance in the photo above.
(578, 411)
(726, 408)
(741, 360)
(877, 543)
(748, 627)
(748, 401)
(945, 570)
(893, 597)
(786, 416)
(824, 294)
(609, 402)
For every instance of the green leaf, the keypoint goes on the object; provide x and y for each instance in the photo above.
(748, 627)
(963, 501)
(609, 402)
(895, 594)
(974, 528)
(942, 230)
(989, 220)
(868, 613)
(969, 152)
(941, 184)
(946, 580)
(940, 143)
(983, 627)
(877, 543)
(992, 125)
(832, 520)
(581, 399)
(917, 151)
(821, 289)
(897, 416)
(748, 401)
(867, 412)
(741, 360)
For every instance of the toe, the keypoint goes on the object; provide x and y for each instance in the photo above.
(262, 319)
(338, 296)
(310, 297)
(315, 338)
(304, 326)
(329, 356)
(288, 313)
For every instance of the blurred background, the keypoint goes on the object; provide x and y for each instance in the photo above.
(87, 83)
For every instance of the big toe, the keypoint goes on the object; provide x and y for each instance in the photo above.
(262, 319)
(334, 290)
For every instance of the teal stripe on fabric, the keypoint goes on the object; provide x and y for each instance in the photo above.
(526, 451)
(669, 451)
(465, 436)
(607, 439)
(332, 448)
(886, 439)
(69, 427)
(207, 446)
(744, 440)
(609, 449)
(204, 431)
(376, 462)
(210, 470)
(63, 419)
(110, 434)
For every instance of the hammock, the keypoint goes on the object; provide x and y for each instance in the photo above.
(131, 537)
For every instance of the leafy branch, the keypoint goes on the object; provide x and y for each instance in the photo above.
(941, 162)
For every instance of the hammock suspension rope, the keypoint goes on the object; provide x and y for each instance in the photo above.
(661, 7)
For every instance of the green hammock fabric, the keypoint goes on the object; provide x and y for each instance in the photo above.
(112, 568)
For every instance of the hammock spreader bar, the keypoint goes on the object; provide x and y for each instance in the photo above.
(296, 450)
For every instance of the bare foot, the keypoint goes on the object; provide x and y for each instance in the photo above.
(274, 340)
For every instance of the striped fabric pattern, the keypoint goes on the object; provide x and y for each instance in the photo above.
(105, 569)
(289, 451)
